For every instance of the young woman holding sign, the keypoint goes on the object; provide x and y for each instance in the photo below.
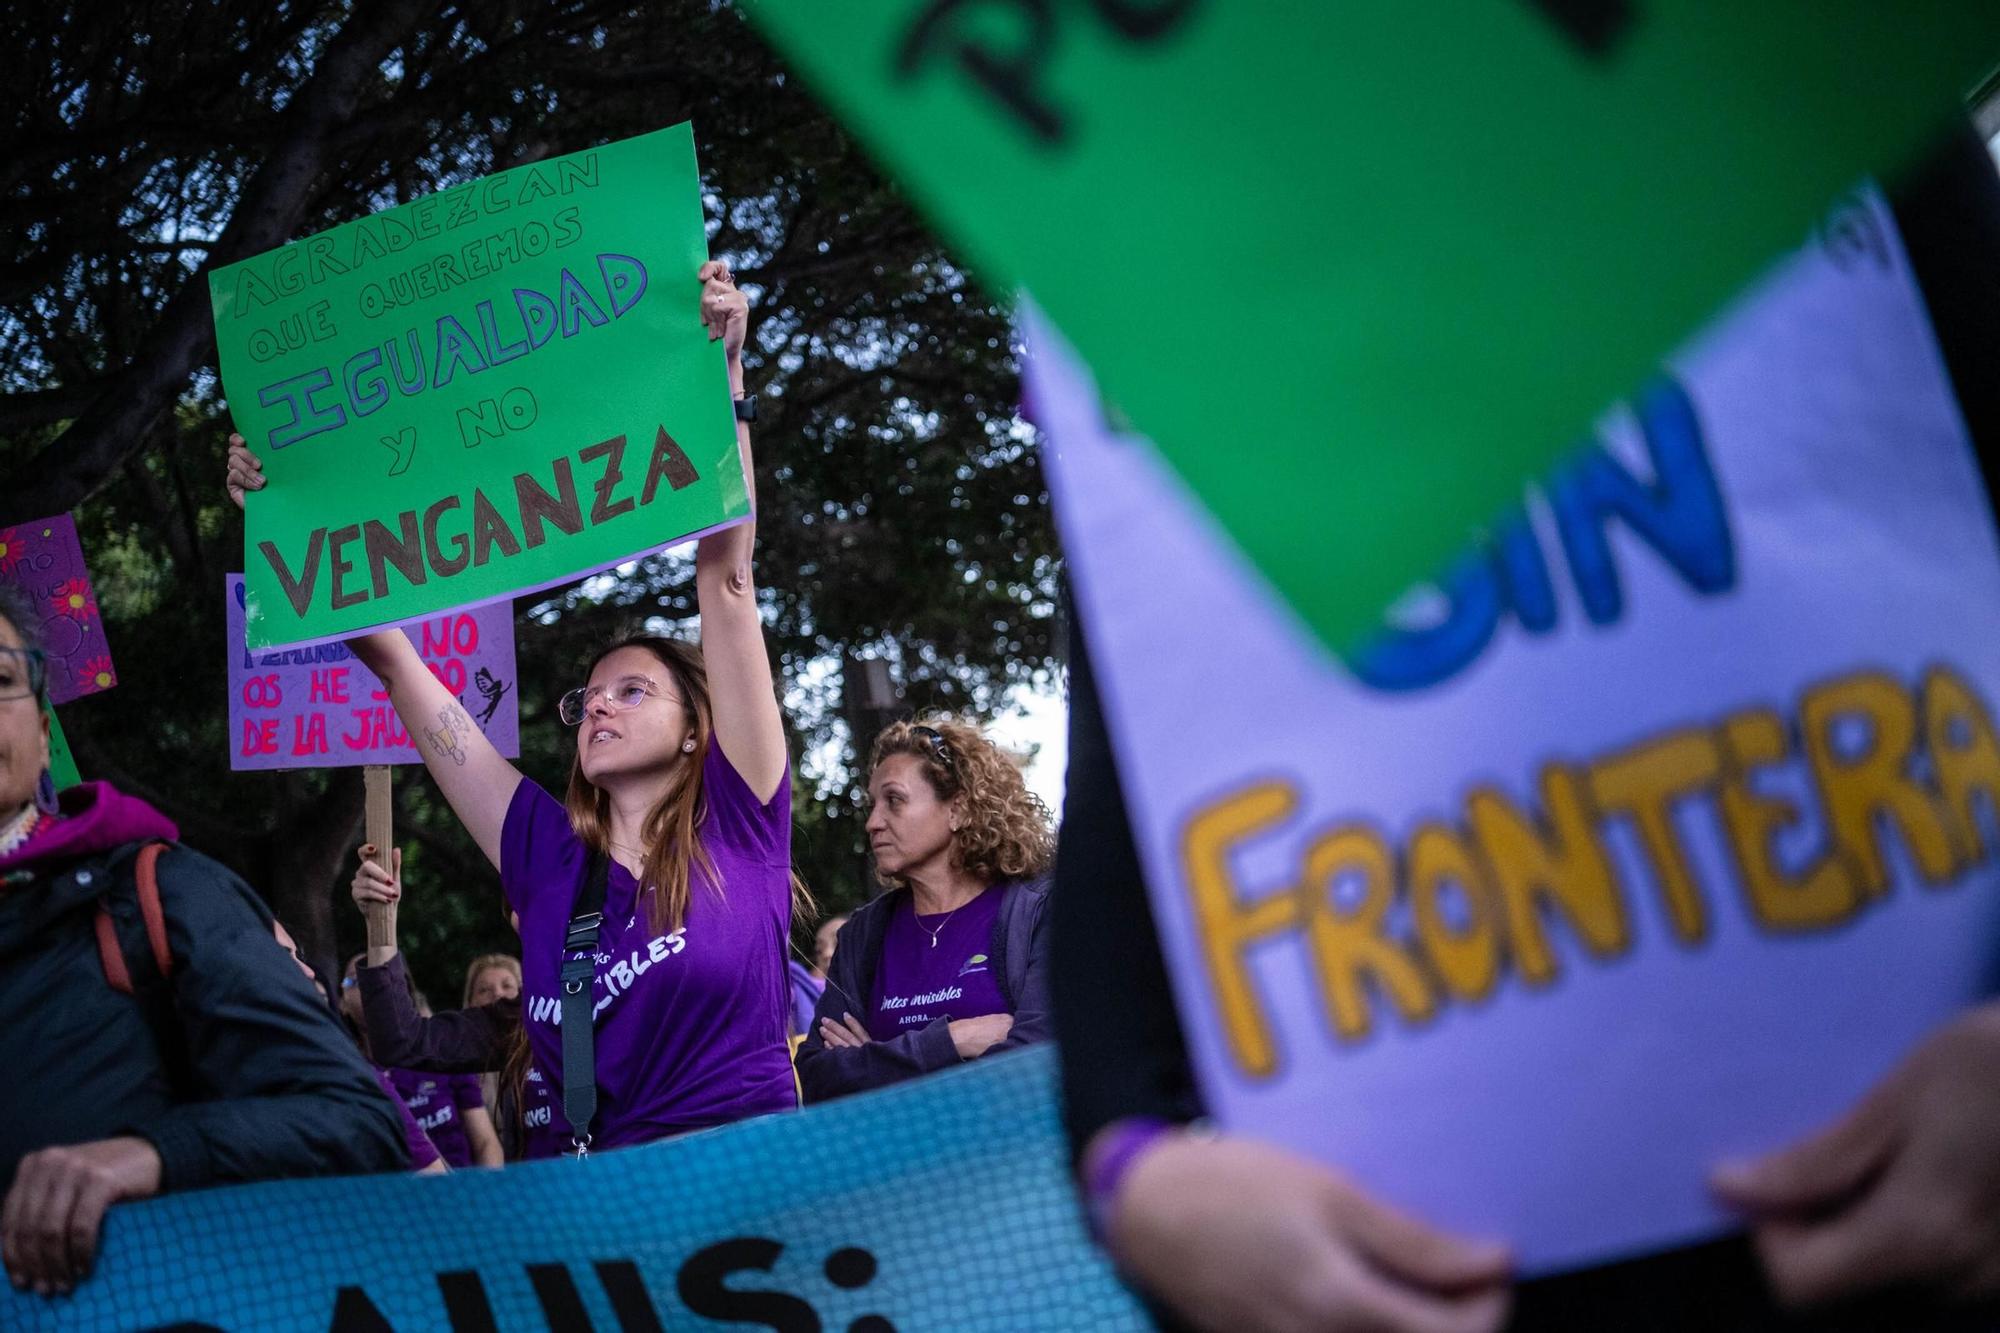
(679, 783)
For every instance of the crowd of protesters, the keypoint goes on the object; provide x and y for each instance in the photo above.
(655, 903)
(659, 878)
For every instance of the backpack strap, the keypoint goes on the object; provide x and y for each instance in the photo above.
(110, 954)
(146, 877)
(576, 969)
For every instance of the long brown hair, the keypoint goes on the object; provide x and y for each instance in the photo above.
(671, 834)
(512, 1086)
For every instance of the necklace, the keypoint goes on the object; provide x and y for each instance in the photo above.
(940, 925)
(22, 826)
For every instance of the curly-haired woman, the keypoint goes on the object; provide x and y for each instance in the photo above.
(949, 964)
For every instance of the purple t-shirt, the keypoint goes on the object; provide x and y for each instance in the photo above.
(422, 1151)
(439, 1102)
(690, 1023)
(544, 1132)
(806, 990)
(918, 982)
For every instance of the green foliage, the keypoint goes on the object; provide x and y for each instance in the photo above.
(903, 514)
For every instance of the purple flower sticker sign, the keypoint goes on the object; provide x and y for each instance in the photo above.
(44, 560)
(319, 707)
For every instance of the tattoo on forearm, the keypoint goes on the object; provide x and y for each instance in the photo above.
(447, 738)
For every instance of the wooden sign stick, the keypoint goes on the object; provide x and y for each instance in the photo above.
(381, 832)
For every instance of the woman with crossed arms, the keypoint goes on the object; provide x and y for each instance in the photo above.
(948, 965)
(680, 778)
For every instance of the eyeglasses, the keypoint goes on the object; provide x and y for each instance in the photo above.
(623, 696)
(24, 673)
(940, 748)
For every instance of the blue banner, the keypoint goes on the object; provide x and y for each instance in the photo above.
(940, 1204)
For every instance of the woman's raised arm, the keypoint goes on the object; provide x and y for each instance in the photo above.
(477, 781)
(744, 700)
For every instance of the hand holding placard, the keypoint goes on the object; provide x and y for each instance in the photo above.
(482, 392)
(377, 888)
(725, 311)
(1897, 1193)
(1633, 844)
(1239, 1235)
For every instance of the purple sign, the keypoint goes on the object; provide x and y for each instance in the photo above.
(44, 560)
(318, 707)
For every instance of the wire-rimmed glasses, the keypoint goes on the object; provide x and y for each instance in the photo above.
(623, 695)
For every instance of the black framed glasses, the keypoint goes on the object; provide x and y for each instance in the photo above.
(24, 673)
(940, 748)
(623, 696)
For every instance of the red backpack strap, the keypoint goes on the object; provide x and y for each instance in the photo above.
(110, 954)
(150, 911)
(146, 877)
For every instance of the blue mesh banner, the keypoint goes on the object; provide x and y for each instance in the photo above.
(940, 1204)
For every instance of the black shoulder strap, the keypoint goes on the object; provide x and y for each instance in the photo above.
(579, 1035)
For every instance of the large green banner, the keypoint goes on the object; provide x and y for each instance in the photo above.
(1355, 267)
(490, 390)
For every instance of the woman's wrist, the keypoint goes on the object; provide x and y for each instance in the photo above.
(1108, 1162)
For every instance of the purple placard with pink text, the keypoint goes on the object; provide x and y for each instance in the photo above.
(320, 707)
(45, 561)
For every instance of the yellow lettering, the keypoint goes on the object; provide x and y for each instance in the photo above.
(1644, 782)
(1226, 925)
(1562, 865)
(1854, 790)
(1468, 961)
(1348, 944)
(1826, 893)
(1964, 754)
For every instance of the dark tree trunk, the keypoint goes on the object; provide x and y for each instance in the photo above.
(307, 856)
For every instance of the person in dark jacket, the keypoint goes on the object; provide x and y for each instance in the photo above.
(425, 1159)
(948, 965)
(484, 1038)
(229, 1069)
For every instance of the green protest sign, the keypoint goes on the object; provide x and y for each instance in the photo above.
(1359, 270)
(492, 389)
(62, 764)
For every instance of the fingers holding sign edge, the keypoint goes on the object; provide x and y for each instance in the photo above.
(245, 470)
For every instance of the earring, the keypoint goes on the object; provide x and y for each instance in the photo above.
(687, 746)
(45, 794)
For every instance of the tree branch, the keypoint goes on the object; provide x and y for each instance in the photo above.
(41, 407)
(271, 208)
(307, 855)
